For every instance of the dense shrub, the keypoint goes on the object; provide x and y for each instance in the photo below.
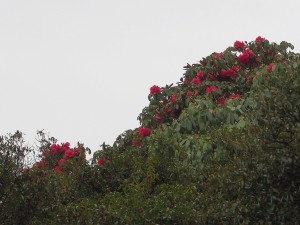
(219, 147)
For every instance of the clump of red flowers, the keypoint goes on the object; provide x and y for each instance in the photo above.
(211, 89)
(154, 90)
(270, 68)
(232, 65)
(235, 96)
(245, 56)
(259, 39)
(57, 155)
(144, 131)
(190, 94)
(239, 45)
(101, 161)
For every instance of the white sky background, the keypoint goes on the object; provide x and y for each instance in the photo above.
(81, 69)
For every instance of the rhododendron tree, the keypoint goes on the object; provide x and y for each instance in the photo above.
(219, 147)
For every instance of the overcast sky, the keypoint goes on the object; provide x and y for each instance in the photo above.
(81, 69)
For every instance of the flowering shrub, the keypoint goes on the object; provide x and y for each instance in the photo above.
(57, 155)
(220, 147)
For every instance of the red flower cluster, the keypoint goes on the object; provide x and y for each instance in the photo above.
(211, 88)
(190, 94)
(155, 90)
(270, 67)
(61, 152)
(238, 45)
(203, 77)
(227, 73)
(233, 96)
(259, 39)
(222, 101)
(173, 98)
(144, 131)
(245, 56)
(217, 55)
(102, 161)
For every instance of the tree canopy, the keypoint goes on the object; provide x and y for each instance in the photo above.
(221, 146)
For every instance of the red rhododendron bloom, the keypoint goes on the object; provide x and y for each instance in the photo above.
(211, 88)
(144, 131)
(42, 163)
(196, 81)
(166, 110)
(239, 45)
(55, 148)
(236, 68)
(61, 161)
(245, 56)
(186, 81)
(270, 67)
(190, 94)
(173, 98)
(68, 154)
(248, 76)
(200, 74)
(155, 90)
(259, 39)
(227, 73)
(233, 96)
(76, 152)
(211, 76)
(136, 143)
(58, 168)
(217, 55)
(222, 101)
(102, 161)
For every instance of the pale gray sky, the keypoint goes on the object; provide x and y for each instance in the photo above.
(82, 69)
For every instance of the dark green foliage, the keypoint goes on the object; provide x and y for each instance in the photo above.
(205, 162)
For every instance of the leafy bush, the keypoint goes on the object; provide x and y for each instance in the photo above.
(219, 147)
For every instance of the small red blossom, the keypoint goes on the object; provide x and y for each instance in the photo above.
(61, 161)
(222, 101)
(211, 76)
(200, 74)
(186, 81)
(68, 154)
(235, 96)
(144, 131)
(270, 67)
(40, 164)
(55, 148)
(57, 168)
(217, 55)
(190, 94)
(245, 56)
(173, 98)
(248, 51)
(238, 45)
(196, 81)
(102, 161)
(136, 143)
(211, 88)
(248, 76)
(167, 109)
(227, 73)
(155, 90)
(236, 68)
(259, 39)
